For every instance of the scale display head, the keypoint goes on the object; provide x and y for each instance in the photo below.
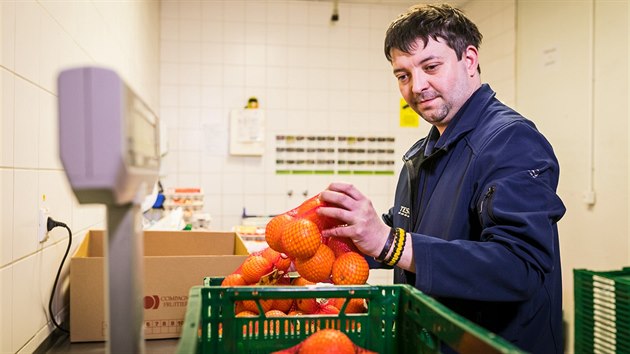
(108, 137)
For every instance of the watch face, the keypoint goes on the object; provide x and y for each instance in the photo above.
(142, 134)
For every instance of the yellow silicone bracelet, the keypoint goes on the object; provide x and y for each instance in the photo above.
(401, 238)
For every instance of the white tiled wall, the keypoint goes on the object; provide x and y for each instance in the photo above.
(37, 40)
(309, 75)
(497, 22)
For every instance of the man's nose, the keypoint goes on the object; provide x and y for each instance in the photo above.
(419, 81)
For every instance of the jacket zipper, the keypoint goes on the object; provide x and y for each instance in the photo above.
(487, 198)
(408, 168)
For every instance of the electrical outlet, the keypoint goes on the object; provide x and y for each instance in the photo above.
(42, 229)
(589, 197)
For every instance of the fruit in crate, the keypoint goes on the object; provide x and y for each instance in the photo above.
(326, 341)
(275, 313)
(275, 229)
(350, 269)
(295, 242)
(254, 268)
(316, 269)
(301, 239)
(354, 305)
(251, 306)
(308, 210)
(284, 305)
(297, 234)
(280, 261)
(341, 245)
(235, 279)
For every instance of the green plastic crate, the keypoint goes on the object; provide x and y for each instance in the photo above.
(400, 319)
(602, 311)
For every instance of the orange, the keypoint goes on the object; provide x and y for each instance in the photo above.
(250, 305)
(322, 222)
(317, 306)
(283, 263)
(360, 350)
(233, 280)
(283, 305)
(308, 210)
(275, 229)
(354, 305)
(279, 260)
(341, 245)
(275, 313)
(350, 268)
(308, 306)
(254, 267)
(327, 309)
(300, 281)
(317, 268)
(301, 239)
(238, 307)
(246, 313)
(327, 341)
(270, 254)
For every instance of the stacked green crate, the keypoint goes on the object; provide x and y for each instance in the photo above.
(602, 311)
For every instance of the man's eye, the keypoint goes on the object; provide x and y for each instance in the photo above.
(402, 78)
(431, 67)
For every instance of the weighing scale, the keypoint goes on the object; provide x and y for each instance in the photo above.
(109, 148)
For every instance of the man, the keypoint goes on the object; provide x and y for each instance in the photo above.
(475, 211)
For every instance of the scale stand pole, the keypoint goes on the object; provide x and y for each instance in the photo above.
(124, 271)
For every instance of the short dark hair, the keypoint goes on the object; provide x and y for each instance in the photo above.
(432, 21)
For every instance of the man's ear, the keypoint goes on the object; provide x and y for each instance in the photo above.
(471, 57)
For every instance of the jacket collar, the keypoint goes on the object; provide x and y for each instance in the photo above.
(459, 125)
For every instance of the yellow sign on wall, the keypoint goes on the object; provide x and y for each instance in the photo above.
(408, 118)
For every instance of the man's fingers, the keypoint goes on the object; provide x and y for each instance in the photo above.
(335, 198)
(340, 231)
(335, 213)
(347, 189)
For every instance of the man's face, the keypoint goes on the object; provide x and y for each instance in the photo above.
(433, 82)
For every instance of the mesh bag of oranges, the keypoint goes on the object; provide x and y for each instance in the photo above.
(295, 242)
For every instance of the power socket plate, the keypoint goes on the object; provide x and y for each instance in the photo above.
(42, 229)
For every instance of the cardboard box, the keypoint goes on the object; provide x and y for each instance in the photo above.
(174, 261)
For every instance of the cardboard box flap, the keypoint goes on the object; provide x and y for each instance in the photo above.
(172, 243)
(188, 243)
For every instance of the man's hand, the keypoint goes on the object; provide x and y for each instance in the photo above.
(364, 225)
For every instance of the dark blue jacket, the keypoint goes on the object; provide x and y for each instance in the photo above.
(481, 205)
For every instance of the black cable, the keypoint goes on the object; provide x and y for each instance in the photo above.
(51, 224)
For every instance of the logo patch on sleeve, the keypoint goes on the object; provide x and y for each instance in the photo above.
(404, 211)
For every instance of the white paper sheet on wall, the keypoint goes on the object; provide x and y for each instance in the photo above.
(247, 132)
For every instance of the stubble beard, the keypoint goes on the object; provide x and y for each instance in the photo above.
(436, 115)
